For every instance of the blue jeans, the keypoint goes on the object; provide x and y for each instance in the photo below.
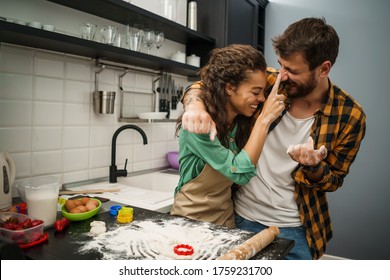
(300, 251)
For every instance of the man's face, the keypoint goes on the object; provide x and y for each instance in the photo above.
(297, 79)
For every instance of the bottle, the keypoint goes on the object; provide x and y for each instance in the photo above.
(192, 15)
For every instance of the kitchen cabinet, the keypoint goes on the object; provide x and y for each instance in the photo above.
(120, 12)
(233, 21)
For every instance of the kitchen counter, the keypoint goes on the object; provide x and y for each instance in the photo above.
(151, 189)
(65, 245)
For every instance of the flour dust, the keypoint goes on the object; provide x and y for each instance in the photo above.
(155, 239)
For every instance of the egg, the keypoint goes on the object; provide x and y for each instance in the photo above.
(78, 202)
(75, 210)
(94, 202)
(82, 208)
(69, 205)
(90, 206)
(85, 200)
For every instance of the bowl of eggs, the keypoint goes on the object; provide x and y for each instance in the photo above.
(80, 209)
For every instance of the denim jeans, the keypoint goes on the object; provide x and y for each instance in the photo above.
(300, 251)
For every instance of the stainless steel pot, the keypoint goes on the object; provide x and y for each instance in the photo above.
(104, 102)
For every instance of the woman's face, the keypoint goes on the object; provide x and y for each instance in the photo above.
(245, 98)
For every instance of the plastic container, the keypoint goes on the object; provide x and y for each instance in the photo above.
(193, 60)
(179, 57)
(173, 160)
(41, 196)
(20, 236)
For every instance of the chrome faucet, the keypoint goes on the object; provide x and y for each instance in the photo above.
(114, 172)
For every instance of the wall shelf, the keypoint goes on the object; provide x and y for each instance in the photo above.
(37, 38)
(125, 13)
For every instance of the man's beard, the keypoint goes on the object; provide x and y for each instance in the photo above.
(295, 90)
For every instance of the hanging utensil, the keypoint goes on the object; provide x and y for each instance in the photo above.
(163, 100)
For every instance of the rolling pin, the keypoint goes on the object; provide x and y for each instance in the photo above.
(90, 191)
(252, 246)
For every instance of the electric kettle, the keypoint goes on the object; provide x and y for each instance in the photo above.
(7, 179)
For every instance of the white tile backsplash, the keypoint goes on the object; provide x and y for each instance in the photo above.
(15, 139)
(47, 113)
(75, 137)
(22, 164)
(74, 160)
(78, 69)
(15, 59)
(15, 113)
(76, 114)
(16, 86)
(101, 136)
(159, 150)
(47, 138)
(159, 132)
(100, 157)
(48, 125)
(69, 177)
(78, 92)
(47, 162)
(49, 89)
(142, 152)
(49, 64)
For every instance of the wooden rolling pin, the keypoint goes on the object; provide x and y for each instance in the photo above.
(90, 191)
(252, 246)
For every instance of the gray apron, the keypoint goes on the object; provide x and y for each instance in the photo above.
(206, 198)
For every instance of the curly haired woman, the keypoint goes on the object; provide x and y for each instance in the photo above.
(233, 83)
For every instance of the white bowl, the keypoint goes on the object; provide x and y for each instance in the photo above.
(153, 115)
(48, 27)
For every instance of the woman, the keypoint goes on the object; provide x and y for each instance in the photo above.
(233, 83)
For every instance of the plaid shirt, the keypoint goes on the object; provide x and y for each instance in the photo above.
(340, 126)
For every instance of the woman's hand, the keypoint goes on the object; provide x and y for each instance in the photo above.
(274, 105)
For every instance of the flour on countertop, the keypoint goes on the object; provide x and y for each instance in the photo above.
(155, 239)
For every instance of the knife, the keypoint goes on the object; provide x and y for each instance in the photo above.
(163, 90)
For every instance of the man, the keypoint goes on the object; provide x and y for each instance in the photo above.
(290, 188)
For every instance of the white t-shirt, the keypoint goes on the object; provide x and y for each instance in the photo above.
(268, 198)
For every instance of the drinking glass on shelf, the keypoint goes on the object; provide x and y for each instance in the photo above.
(88, 31)
(159, 40)
(108, 34)
(135, 36)
(149, 38)
(120, 41)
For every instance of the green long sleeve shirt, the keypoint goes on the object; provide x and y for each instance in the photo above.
(197, 150)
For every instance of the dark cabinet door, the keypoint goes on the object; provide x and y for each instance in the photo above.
(233, 21)
(242, 22)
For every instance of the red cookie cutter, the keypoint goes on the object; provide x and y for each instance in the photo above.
(183, 250)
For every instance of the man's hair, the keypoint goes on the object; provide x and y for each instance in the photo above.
(316, 40)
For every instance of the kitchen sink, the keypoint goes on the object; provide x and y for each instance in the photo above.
(157, 181)
(152, 191)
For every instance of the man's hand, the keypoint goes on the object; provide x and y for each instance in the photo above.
(199, 121)
(195, 118)
(305, 153)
